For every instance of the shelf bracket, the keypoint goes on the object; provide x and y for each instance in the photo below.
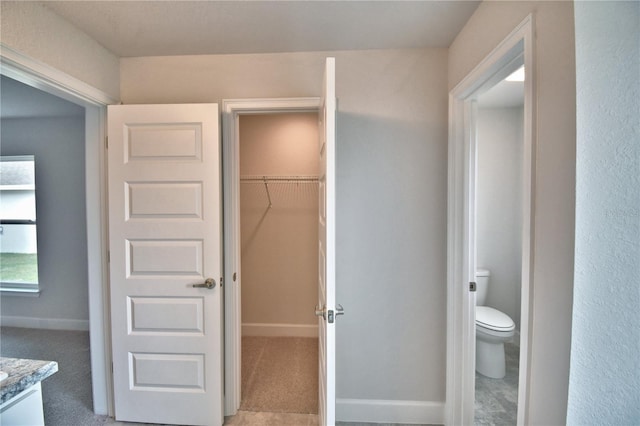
(266, 187)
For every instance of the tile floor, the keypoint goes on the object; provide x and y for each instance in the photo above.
(497, 399)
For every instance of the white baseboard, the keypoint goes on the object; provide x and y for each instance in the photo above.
(45, 323)
(389, 411)
(286, 330)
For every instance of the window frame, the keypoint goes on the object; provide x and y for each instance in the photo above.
(18, 287)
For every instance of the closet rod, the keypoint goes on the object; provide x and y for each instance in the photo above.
(279, 179)
(266, 179)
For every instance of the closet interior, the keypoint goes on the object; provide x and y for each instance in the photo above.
(279, 262)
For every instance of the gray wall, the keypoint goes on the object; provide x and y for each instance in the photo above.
(58, 146)
(605, 377)
(391, 183)
(499, 205)
(551, 295)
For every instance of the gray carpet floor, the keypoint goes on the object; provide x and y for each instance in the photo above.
(66, 395)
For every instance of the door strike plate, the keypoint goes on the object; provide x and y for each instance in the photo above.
(472, 286)
(330, 316)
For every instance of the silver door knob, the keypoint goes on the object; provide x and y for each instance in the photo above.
(208, 283)
(321, 312)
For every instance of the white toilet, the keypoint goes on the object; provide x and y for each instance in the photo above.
(493, 328)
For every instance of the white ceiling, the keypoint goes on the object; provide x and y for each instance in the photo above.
(505, 94)
(159, 28)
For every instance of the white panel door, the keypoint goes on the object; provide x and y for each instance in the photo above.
(164, 237)
(327, 248)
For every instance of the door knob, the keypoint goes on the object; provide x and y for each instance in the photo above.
(321, 312)
(324, 313)
(208, 283)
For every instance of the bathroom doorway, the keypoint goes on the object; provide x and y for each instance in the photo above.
(279, 262)
(465, 253)
(498, 216)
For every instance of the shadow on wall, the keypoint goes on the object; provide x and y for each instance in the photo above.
(391, 258)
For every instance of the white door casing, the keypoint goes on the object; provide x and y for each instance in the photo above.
(515, 49)
(26, 70)
(232, 110)
(327, 248)
(165, 236)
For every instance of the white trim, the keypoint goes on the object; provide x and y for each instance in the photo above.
(516, 48)
(528, 222)
(283, 330)
(45, 323)
(231, 110)
(20, 289)
(39, 75)
(389, 411)
(44, 77)
(97, 262)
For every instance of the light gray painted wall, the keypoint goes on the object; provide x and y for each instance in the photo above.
(605, 377)
(391, 179)
(33, 30)
(499, 205)
(279, 248)
(58, 146)
(551, 295)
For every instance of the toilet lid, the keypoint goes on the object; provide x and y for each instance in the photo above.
(493, 319)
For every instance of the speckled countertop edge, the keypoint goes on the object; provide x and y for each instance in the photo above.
(23, 373)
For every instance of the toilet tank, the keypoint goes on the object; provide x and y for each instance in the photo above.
(482, 285)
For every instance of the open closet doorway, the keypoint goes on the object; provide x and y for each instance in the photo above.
(250, 184)
(278, 265)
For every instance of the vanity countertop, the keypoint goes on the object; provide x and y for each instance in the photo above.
(23, 373)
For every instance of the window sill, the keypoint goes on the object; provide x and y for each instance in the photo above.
(23, 290)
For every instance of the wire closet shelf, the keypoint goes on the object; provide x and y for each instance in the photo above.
(265, 180)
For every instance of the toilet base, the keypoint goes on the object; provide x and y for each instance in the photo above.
(490, 360)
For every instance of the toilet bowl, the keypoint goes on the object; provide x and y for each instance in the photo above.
(493, 329)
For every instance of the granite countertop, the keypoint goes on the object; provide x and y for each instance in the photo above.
(23, 373)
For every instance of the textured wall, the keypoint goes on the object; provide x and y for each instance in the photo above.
(279, 244)
(32, 29)
(605, 378)
(554, 192)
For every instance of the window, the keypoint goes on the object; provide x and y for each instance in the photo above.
(18, 242)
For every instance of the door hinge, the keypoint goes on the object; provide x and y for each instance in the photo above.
(472, 286)
(106, 142)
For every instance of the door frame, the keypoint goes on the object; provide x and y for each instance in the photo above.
(33, 73)
(232, 109)
(518, 46)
